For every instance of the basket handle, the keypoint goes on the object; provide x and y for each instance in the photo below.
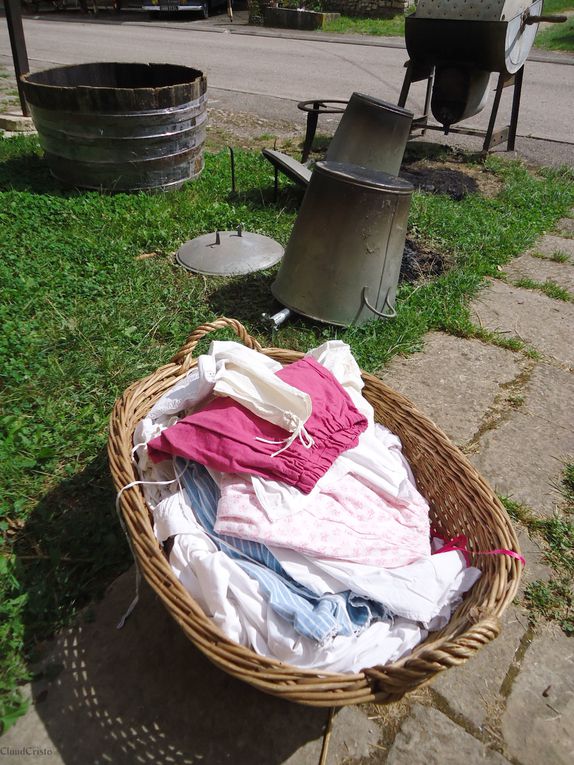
(411, 672)
(187, 349)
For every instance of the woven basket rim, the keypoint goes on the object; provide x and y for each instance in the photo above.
(472, 625)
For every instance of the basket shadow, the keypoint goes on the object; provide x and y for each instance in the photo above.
(145, 693)
(70, 548)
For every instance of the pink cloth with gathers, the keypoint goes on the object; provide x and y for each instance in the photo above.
(348, 521)
(223, 435)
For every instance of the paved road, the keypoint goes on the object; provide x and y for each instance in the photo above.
(267, 75)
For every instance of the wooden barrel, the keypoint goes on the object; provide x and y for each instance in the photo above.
(120, 127)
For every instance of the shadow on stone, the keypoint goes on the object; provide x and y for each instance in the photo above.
(69, 550)
(145, 694)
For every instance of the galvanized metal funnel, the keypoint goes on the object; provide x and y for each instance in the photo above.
(343, 259)
(372, 133)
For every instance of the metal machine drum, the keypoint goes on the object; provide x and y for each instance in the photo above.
(120, 127)
(372, 133)
(466, 40)
(343, 259)
(494, 35)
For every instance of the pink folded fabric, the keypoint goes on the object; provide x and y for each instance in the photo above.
(223, 435)
(349, 521)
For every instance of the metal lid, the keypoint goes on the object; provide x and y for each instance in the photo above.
(362, 176)
(226, 253)
(383, 104)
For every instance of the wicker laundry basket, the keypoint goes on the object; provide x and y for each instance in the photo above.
(461, 503)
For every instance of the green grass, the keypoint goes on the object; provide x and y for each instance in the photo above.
(82, 318)
(495, 338)
(553, 599)
(393, 27)
(549, 288)
(567, 485)
(557, 37)
(557, 6)
(558, 256)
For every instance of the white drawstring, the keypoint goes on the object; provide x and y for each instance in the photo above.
(134, 602)
(294, 424)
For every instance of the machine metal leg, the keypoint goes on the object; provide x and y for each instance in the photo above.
(428, 95)
(492, 137)
(494, 113)
(406, 84)
(312, 119)
(518, 78)
(417, 73)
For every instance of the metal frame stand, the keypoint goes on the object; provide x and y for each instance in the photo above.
(314, 108)
(492, 137)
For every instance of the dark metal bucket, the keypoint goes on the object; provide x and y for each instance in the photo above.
(372, 133)
(343, 259)
(120, 127)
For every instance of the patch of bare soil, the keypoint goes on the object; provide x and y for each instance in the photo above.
(453, 178)
(420, 262)
(247, 131)
(451, 175)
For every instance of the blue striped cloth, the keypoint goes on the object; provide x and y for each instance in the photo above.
(317, 617)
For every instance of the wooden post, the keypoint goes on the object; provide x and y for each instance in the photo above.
(18, 44)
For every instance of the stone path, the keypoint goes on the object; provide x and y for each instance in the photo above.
(144, 694)
(514, 416)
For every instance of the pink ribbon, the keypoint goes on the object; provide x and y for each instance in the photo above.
(460, 544)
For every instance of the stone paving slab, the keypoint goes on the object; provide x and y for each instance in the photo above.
(538, 724)
(16, 123)
(565, 227)
(551, 243)
(146, 694)
(535, 568)
(454, 381)
(536, 319)
(523, 458)
(540, 270)
(473, 689)
(428, 737)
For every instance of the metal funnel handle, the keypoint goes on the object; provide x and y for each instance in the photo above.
(382, 314)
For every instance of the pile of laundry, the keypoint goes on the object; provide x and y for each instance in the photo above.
(290, 516)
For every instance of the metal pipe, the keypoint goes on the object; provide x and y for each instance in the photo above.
(232, 160)
(275, 320)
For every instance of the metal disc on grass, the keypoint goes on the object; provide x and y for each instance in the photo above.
(229, 252)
